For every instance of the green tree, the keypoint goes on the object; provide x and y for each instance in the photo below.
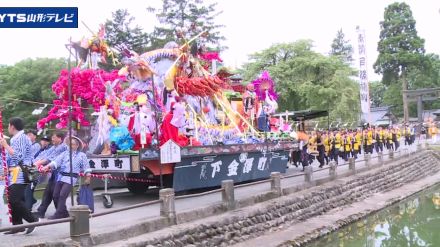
(341, 47)
(277, 54)
(29, 80)
(400, 48)
(121, 30)
(306, 79)
(377, 91)
(427, 75)
(186, 19)
(393, 97)
(121, 33)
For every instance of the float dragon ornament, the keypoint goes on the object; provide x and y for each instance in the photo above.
(198, 82)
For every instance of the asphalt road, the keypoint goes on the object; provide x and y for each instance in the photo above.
(123, 198)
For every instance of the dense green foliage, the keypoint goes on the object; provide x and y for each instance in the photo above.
(120, 30)
(29, 80)
(426, 75)
(185, 19)
(377, 92)
(400, 48)
(341, 47)
(306, 79)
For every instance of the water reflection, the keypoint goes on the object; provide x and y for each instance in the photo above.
(413, 222)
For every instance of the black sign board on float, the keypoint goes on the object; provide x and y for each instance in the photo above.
(207, 166)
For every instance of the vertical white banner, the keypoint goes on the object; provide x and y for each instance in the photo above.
(363, 76)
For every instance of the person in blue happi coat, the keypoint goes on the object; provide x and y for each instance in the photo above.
(18, 155)
(67, 180)
(44, 158)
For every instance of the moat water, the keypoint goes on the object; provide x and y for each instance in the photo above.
(413, 222)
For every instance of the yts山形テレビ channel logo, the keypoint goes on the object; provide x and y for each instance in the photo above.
(38, 17)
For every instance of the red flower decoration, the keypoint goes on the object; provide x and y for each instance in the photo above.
(209, 56)
(87, 86)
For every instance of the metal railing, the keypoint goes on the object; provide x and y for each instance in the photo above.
(36, 224)
(80, 215)
(200, 194)
(117, 210)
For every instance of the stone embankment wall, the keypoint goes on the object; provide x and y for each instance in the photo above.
(247, 223)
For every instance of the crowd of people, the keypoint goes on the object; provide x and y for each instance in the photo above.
(336, 145)
(51, 156)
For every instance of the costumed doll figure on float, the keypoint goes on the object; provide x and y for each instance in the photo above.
(272, 106)
(142, 124)
(172, 122)
(265, 91)
(209, 111)
(270, 102)
(189, 127)
(169, 97)
(285, 126)
(101, 131)
(250, 103)
(263, 123)
(92, 51)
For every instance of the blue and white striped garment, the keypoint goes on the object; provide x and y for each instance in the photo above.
(79, 164)
(40, 154)
(35, 147)
(21, 145)
(52, 152)
(2, 173)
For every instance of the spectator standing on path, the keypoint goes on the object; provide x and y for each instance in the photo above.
(66, 180)
(45, 158)
(18, 152)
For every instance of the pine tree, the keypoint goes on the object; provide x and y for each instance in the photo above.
(120, 30)
(400, 48)
(185, 19)
(342, 48)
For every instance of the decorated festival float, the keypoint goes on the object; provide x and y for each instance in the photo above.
(170, 116)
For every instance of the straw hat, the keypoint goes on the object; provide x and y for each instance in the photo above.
(80, 142)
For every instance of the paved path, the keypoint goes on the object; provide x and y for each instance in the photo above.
(116, 221)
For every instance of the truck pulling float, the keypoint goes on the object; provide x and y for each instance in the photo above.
(169, 117)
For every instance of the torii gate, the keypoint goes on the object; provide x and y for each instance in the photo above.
(420, 95)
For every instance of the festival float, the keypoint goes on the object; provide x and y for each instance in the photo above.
(170, 117)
